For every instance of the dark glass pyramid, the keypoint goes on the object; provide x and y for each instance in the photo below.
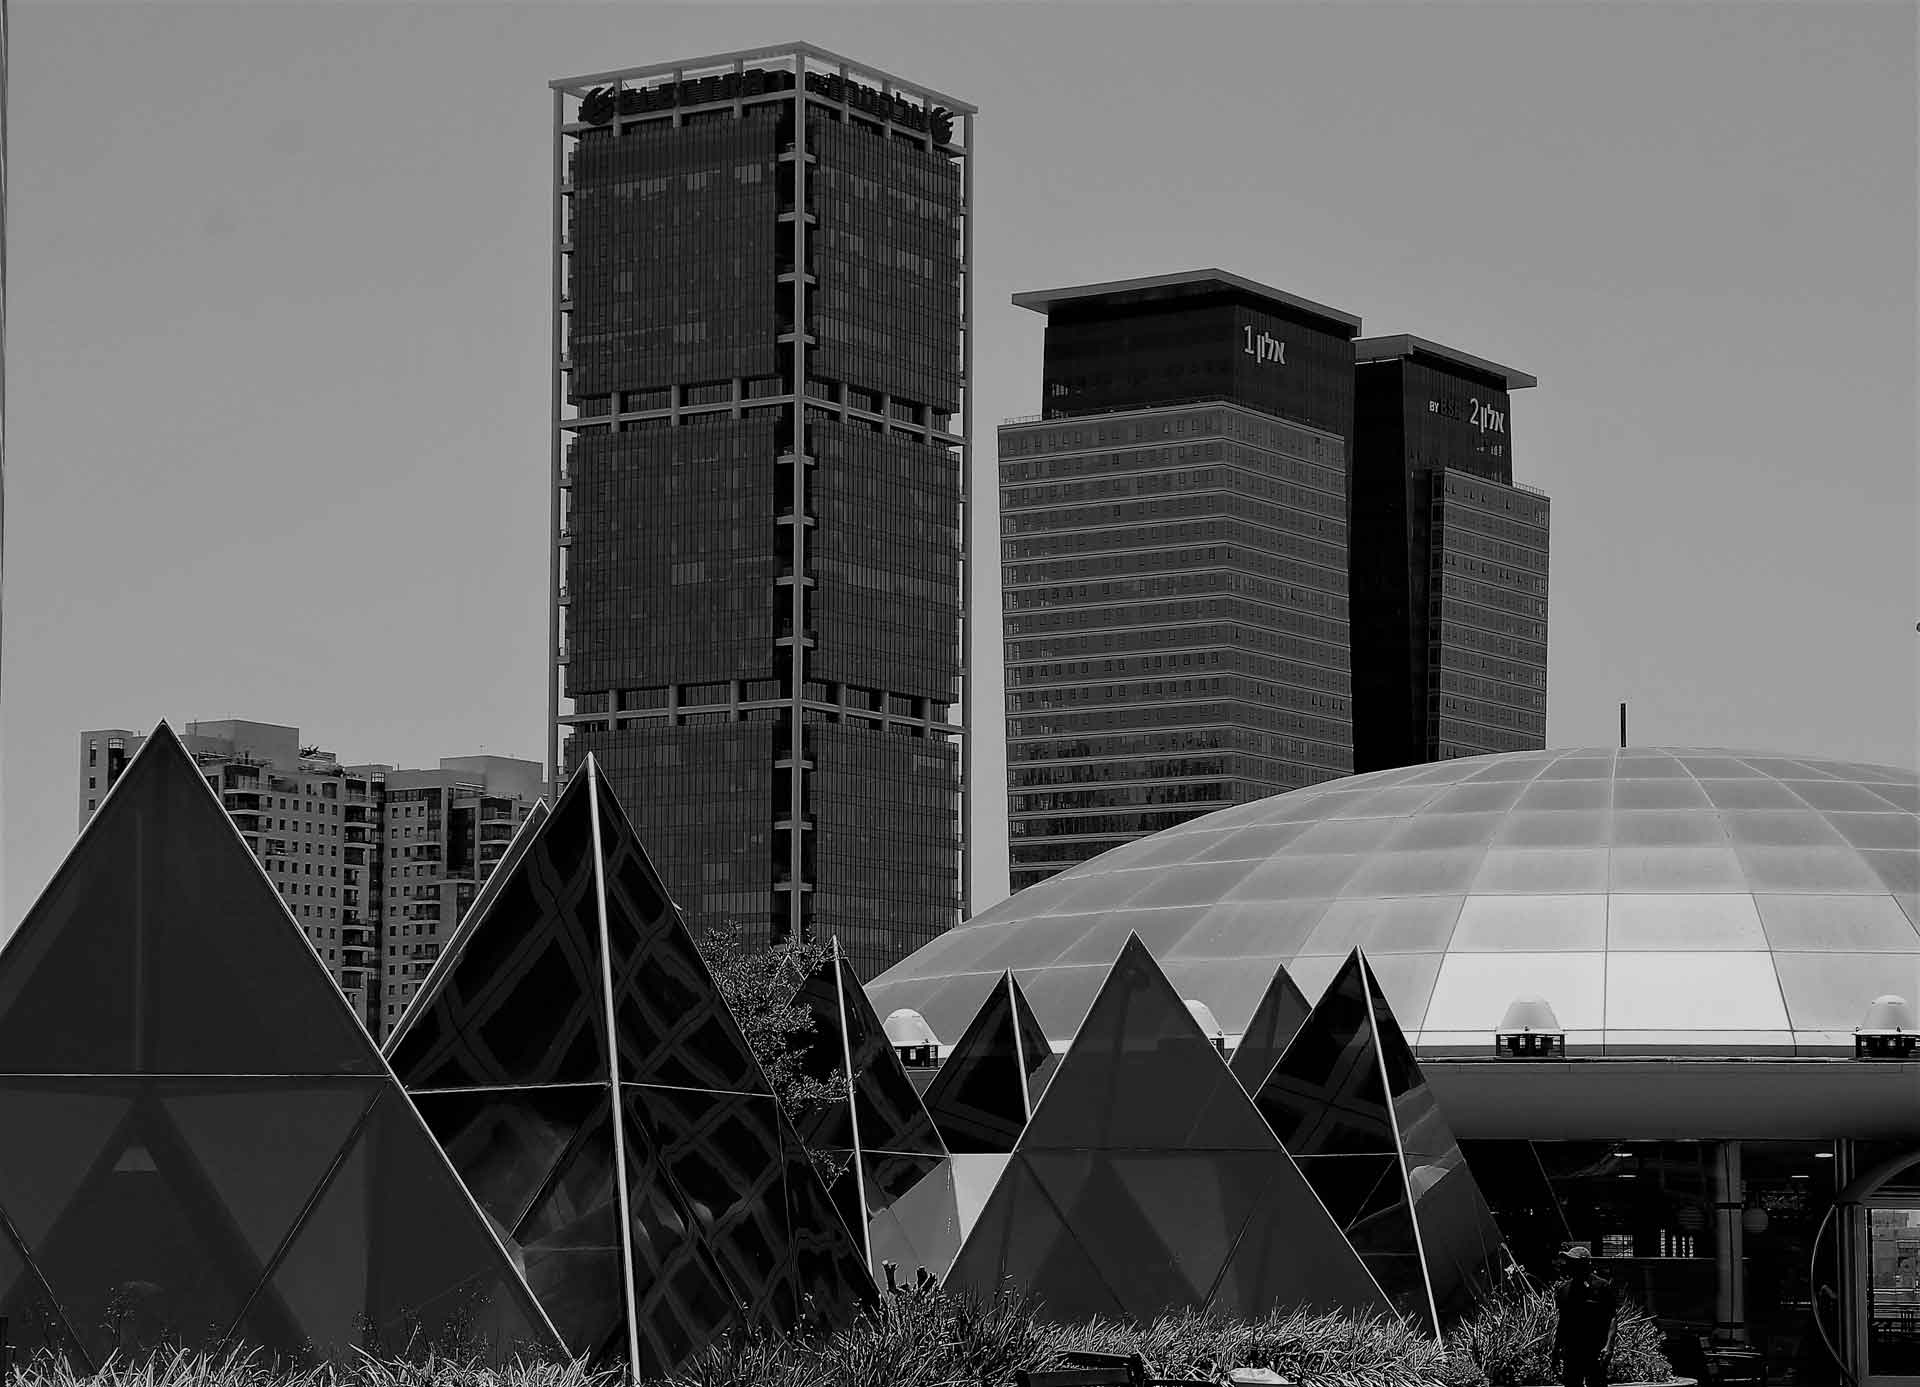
(1350, 1104)
(218, 1153)
(897, 1182)
(586, 1078)
(1147, 1181)
(987, 1087)
(1278, 1018)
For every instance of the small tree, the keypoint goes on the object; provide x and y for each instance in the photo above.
(760, 986)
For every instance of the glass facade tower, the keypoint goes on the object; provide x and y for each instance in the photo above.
(1449, 561)
(761, 361)
(1174, 561)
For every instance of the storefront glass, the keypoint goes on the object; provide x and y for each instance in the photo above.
(1713, 1239)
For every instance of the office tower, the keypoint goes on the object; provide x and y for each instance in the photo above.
(375, 864)
(1174, 561)
(1449, 561)
(761, 366)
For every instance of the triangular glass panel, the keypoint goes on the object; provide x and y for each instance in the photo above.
(70, 1127)
(682, 1300)
(1276, 1020)
(264, 1151)
(913, 1213)
(1159, 1224)
(720, 1153)
(986, 1088)
(226, 1083)
(145, 1254)
(826, 1274)
(881, 1112)
(1350, 1103)
(1022, 1242)
(520, 997)
(674, 1026)
(163, 931)
(1461, 1245)
(569, 1241)
(1291, 1253)
(506, 1142)
(709, 1244)
(1141, 1074)
(1327, 1095)
(432, 1285)
(974, 1176)
(1160, 1194)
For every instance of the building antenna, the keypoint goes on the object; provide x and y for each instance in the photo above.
(1623, 727)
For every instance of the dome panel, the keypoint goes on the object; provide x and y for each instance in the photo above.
(1473, 991)
(1534, 871)
(1698, 921)
(1837, 924)
(1509, 924)
(1641, 893)
(1716, 991)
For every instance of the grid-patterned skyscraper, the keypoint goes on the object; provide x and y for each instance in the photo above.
(761, 369)
(1174, 561)
(1449, 561)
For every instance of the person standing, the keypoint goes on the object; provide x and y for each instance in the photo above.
(1588, 1311)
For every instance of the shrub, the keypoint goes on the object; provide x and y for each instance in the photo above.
(1510, 1342)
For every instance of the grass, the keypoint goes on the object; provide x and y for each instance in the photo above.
(938, 1340)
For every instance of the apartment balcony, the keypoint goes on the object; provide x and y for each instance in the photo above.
(428, 852)
(243, 799)
(356, 956)
(354, 854)
(247, 821)
(357, 835)
(356, 811)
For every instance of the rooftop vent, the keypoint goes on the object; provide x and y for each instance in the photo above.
(1204, 1015)
(1888, 1033)
(912, 1038)
(1530, 1030)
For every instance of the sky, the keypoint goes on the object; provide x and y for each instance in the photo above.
(278, 322)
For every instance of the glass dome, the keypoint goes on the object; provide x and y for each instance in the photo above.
(1658, 900)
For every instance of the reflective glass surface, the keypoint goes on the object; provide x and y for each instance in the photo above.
(1283, 1007)
(727, 1226)
(200, 1170)
(982, 1095)
(1489, 878)
(1350, 1104)
(894, 1153)
(1147, 1181)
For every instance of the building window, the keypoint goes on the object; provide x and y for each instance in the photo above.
(89, 806)
(90, 783)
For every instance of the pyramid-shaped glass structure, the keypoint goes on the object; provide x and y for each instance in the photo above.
(1276, 1020)
(199, 1145)
(1350, 1104)
(1147, 1181)
(987, 1086)
(896, 1184)
(589, 1083)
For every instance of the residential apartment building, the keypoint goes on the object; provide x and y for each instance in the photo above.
(376, 884)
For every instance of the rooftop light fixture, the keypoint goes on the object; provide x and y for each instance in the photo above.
(1888, 1033)
(913, 1039)
(1530, 1030)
